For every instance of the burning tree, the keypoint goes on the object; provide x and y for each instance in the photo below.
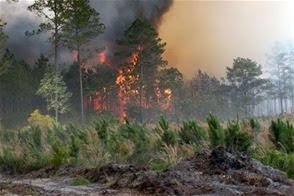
(100, 87)
(141, 50)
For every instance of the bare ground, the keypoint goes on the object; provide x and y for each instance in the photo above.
(208, 173)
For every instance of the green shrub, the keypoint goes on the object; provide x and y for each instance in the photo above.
(80, 181)
(138, 135)
(11, 161)
(192, 133)
(34, 160)
(255, 125)
(166, 158)
(119, 147)
(7, 136)
(168, 136)
(60, 154)
(160, 164)
(236, 140)
(215, 131)
(279, 160)
(101, 128)
(36, 119)
(31, 138)
(282, 135)
(74, 147)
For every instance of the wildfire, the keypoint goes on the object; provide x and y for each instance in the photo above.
(134, 58)
(124, 80)
(102, 57)
(128, 88)
(168, 95)
(98, 101)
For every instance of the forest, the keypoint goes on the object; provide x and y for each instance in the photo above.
(124, 103)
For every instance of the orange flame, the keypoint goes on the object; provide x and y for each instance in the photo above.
(102, 57)
(124, 80)
(168, 99)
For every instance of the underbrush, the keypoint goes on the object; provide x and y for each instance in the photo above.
(160, 147)
(279, 160)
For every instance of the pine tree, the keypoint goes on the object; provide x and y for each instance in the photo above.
(245, 83)
(143, 40)
(53, 11)
(3, 37)
(82, 25)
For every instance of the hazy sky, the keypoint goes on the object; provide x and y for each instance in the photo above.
(208, 35)
(199, 34)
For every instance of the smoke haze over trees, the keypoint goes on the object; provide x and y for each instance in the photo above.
(123, 72)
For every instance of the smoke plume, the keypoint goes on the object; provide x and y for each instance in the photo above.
(117, 15)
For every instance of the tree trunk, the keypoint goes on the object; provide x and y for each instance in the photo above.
(141, 93)
(281, 105)
(56, 115)
(81, 85)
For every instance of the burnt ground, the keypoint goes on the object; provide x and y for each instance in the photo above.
(208, 173)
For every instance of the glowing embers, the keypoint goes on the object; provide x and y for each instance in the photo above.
(102, 58)
(126, 80)
(167, 104)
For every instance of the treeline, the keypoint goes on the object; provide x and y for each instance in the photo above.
(136, 82)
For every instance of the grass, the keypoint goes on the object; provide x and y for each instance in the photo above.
(108, 140)
(279, 160)
(80, 181)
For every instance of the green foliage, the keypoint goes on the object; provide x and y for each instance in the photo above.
(171, 78)
(207, 91)
(282, 135)
(53, 12)
(74, 147)
(37, 119)
(236, 140)
(3, 38)
(138, 135)
(31, 138)
(54, 91)
(255, 125)
(246, 84)
(80, 181)
(17, 90)
(11, 161)
(279, 160)
(60, 154)
(167, 157)
(82, 24)
(120, 147)
(192, 133)
(168, 136)
(33, 148)
(160, 164)
(102, 130)
(215, 131)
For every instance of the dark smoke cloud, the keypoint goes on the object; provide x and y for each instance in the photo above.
(117, 15)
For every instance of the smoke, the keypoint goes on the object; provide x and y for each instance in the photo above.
(208, 35)
(117, 15)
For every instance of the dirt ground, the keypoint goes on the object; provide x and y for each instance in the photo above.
(208, 173)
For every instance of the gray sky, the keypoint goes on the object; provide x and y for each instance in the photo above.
(199, 34)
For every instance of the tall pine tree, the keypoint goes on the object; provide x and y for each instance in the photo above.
(142, 39)
(82, 25)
